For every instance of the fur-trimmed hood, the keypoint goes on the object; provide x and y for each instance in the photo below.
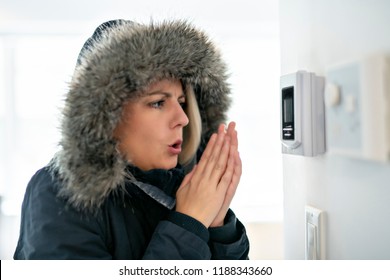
(122, 58)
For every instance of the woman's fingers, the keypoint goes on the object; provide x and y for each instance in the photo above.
(227, 175)
(216, 170)
(231, 177)
(221, 128)
(206, 154)
(225, 187)
(214, 159)
(232, 132)
(237, 171)
(206, 192)
(188, 177)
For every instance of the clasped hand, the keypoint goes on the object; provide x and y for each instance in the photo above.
(207, 191)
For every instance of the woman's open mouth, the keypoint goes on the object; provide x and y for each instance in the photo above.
(175, 148)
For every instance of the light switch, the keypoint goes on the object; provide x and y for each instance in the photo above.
(311, 248)
(314, 234)
(332, 95)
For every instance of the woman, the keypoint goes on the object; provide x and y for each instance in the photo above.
(145, 169)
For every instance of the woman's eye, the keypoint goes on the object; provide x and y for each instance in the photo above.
(157, 105)
(183, 104)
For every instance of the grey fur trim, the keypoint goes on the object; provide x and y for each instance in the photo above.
(124, 60)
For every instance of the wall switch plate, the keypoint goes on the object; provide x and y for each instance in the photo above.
(314, 234)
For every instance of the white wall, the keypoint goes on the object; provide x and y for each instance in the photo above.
(355, 194)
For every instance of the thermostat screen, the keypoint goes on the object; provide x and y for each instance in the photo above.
(288, 109)
(288, 113)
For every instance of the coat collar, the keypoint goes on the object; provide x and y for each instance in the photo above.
(159, 184)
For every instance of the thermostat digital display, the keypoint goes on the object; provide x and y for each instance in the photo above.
(288, 113)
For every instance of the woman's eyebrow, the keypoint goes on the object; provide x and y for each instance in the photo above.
(158, 92)
(166, 94)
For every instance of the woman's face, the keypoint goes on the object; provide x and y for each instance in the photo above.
(150, 133)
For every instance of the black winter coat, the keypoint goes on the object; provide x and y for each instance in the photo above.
(136, 224)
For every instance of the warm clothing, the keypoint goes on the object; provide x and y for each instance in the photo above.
(131, 225)
(89, 203)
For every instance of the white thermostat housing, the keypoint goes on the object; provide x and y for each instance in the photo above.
(302, 114)
(357, 98)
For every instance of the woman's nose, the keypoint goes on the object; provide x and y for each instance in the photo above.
(180, 116)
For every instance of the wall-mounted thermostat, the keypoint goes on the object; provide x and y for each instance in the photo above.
(357, 98)
(302, 114)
